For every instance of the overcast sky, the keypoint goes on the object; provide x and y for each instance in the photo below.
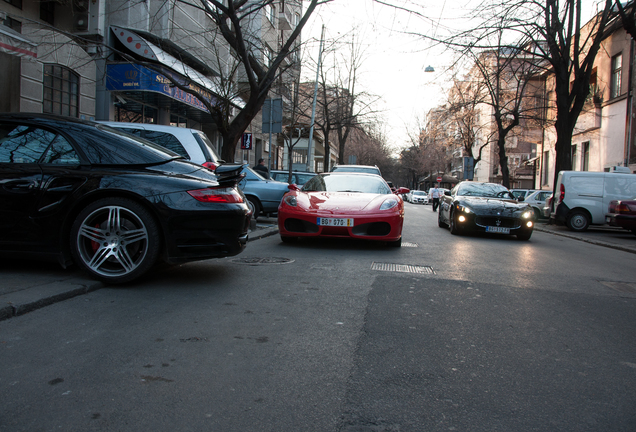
(394, 60)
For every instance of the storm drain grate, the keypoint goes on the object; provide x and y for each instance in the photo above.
(407, 244)
(262, 261)
(402, 268)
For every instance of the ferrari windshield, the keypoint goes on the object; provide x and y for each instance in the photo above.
(356, 183)
(487, 190)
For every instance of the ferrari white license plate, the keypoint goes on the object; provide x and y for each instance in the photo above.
(498, 230)
(335, 222)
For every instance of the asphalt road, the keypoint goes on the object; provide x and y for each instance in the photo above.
(468, 333)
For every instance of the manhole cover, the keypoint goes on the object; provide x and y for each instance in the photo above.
(402, 268)
(263, 261)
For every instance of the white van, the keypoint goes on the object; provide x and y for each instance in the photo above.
(582, 197)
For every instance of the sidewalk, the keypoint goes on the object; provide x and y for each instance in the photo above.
(26, 287)
(606, 236)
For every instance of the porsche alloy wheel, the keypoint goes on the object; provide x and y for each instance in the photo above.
(115, 239)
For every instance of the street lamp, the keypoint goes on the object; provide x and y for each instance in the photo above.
(429, 69)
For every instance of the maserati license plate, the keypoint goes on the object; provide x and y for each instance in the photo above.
(335, 222)
(498, 230)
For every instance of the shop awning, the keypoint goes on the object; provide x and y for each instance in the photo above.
(146, 49)
(15, 44)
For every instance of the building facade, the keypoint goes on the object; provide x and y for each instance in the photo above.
(118, 60)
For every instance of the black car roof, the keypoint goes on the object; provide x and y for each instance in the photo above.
(99, 144)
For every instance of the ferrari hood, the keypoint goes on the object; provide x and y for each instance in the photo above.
(343, 201)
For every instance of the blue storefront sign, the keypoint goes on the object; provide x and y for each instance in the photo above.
(131, 77)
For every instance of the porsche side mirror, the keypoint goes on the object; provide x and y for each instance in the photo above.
(293, 187)
(402, 191)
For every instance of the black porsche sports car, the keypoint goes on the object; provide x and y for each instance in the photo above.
(485, 207)
(82, 192)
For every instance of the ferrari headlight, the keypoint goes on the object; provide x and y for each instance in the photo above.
(389, 204)
(290, 200)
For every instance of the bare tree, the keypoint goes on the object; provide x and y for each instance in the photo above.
(340, 106)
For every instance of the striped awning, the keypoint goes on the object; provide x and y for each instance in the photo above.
(16, 44)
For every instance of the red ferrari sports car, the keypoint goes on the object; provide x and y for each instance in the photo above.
(343, 205)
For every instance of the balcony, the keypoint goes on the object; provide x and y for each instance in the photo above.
(284, 23)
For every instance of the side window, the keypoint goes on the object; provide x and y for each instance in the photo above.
(168, 141)
(61, 153)
(23, 144)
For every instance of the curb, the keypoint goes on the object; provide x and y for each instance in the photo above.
(594, 242)
(36, 297)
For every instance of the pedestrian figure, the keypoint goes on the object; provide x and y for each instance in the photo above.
(261, 168)
(435, 194)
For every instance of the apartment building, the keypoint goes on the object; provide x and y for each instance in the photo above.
(117, 60)
(604, 133)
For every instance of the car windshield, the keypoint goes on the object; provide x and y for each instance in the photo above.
(368, 170)
(419, 193)
(347, 183)
(487, 190)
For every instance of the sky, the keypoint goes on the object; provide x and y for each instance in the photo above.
(394, 61)
(395, 54)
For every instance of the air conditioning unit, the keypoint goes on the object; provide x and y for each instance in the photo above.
(89, 17)
(620, 169)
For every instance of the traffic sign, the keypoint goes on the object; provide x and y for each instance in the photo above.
(439, 179)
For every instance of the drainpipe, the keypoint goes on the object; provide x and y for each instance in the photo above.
(630, 106)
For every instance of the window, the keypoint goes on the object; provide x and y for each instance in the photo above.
(585, 157)
(16, 3)
(270, 11)
(573, 155)
(47, 11)
(23, 144)
(13, 24)
(267, 57)
(615, 83)
(61, 91)
(299, 156)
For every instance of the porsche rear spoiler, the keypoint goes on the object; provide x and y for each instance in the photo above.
(229, 175)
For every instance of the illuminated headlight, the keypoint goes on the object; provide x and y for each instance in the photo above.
(527, 215)
(389, 204)
(529, 224)
(463, 209)
(290, 200)
(461, 218)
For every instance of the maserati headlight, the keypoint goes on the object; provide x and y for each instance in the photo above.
(290, 200)
(463, 209)
(389, 204)
(527, 214)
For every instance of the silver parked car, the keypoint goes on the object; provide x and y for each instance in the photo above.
(263, 195)
(192, 144)
(537, 201)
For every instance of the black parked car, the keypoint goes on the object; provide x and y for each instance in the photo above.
(113, 204)
(485, 207)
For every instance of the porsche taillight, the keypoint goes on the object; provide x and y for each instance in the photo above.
(210, 165)
(226, 195)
